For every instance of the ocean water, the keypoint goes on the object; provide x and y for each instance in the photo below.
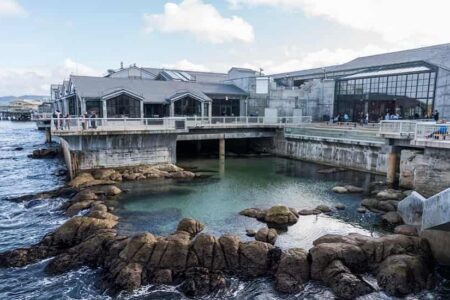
(157, 206)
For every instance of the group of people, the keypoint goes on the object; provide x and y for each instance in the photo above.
(62, 122)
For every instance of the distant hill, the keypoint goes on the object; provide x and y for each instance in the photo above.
(6, 99)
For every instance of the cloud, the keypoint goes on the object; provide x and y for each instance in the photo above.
(405, 22)
(11, 8)
(200, 19)
(293, 59)
(37, 80)
(185, 64)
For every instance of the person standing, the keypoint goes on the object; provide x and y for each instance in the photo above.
(436, 115)
(67, 121)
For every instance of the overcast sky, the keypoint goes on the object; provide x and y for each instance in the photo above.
(45, 41)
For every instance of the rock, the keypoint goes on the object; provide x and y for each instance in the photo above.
(83, 196)
(391, 218)
(340, 206)
(403, 274)
(81, 179)
(129, 278)
(102, 215)
(339, 190)
(78, 206)
(323, 208)
(253, 213)
(406, 230)
(280, 215)
(267, 235)
(103, 174)
(163, 276)
(250, 232)
(390, 194)
(181, 174)
(78, 229)
(253, 258)
(111, 190)
(323, 254)
(168, 168)
(343, 282)
(354, 189)
(388, 205)
(200, 281)
(293, 271)
(18, 148)
(191, 226)
(230, 245)
(45, 153)
(361, 210)
(307, 212)
(370, 203)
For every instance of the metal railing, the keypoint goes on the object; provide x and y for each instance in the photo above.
(60, 125)
(401, 128)
(436, 132)
(41, 116)
(169, 123)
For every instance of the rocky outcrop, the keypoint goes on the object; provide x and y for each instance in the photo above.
(347, 189)
(276, 216)
(293, 271)
(267, 235)
(45, 153)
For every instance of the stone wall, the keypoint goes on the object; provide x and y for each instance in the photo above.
(427, 172)
(112, 151)
(353, 156)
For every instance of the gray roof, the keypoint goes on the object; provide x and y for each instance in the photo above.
(153, 91)
(438, 55)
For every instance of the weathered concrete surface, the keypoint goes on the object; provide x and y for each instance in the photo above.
(427, 173)
(436, 212)
(112, 151)
(411, 209)
(355, 156)
(439, 242)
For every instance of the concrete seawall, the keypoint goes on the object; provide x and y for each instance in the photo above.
(366, 157)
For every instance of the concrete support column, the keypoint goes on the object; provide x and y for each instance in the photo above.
(392, 166)
(83, 106)
(202, 107)
(172, 109)
(222, 148)
(210, 109)
(105, 110)
(48, 135)
(142, 109)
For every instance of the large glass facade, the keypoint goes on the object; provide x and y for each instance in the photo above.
(188, 107)
(123, 106)
(226, 107)
(408, 95)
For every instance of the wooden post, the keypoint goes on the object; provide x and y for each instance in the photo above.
(222, 148)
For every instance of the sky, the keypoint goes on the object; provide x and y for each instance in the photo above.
(43, 42)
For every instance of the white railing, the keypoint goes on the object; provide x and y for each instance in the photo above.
(401, 128)
(435, 132)
(170, 123)
(41, 116)
(245, 121)
(116, 124)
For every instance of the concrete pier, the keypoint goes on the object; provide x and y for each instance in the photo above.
(222, 148)
(392, 167)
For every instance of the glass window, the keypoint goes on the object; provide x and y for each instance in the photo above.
(123, 106)
(374, 84)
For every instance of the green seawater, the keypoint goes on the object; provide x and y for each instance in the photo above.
(226, 188)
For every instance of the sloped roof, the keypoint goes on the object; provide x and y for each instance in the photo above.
(153, 91)
(438, 55)
(197, 75)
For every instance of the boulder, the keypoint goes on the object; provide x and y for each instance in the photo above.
(253, 258)
(253, 213)
(293, 271)
(410, 230)
(390, 194)
(267, 235)
(110, 190)
(361, 210)
(230, 245)
(250, 232)
(280, 215)
(78, 206)
(81, 179)
(191, 226)
(200, 281)
(307, 212)
(45, 153)
(129, 278)
(343, 282)
(391, 218)
(340, 206)
(339, 190)
(354, 189)
(103, 174)
(163, 276)
(403, 274)
(323, 208)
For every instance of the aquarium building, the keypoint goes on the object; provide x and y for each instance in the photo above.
(411, 83)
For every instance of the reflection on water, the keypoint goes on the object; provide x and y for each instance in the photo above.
(242, 183)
